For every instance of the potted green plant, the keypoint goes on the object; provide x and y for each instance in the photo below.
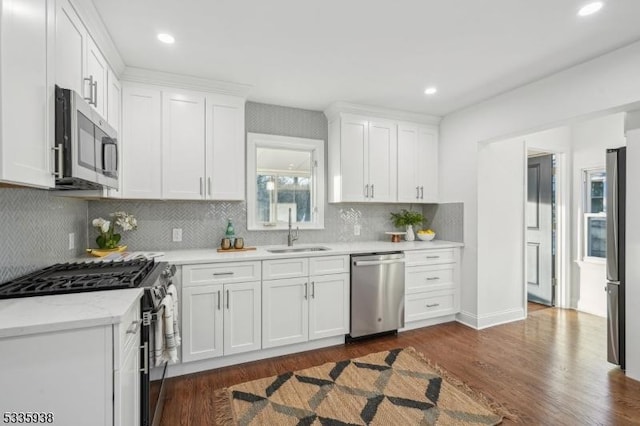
(407, 219)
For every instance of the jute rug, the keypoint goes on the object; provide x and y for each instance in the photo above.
(397, 387)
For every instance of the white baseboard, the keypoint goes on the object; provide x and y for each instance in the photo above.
(501, 317)
(468, 319)
(427, 322)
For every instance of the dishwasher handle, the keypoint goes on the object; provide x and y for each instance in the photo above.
(376, 262)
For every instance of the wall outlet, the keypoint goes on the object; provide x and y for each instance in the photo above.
(356, 230)
(72, 241)
(177, 235)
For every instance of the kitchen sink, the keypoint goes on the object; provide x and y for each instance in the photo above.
(298, 249)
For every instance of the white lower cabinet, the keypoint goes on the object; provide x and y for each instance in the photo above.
(296, 310)
(219, 318)
(128, 407)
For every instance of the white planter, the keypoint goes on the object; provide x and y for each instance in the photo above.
(410, 236)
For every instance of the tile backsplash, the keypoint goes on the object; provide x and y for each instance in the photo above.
(35, 226)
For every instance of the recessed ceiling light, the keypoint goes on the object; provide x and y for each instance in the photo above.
(430, 91)
(166, 38)
(590, 8)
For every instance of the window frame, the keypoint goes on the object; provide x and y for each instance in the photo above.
(587, 214)
(316, 147)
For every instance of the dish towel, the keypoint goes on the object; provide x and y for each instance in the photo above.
(173, 291)
(170, 352)
(158, 338)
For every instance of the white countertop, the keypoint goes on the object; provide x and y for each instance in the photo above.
(186, 257)
(41, 314)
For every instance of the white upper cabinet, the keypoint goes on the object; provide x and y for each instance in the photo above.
(141, 142)
(97, 71)
(183, 146)
(417, 164)
(26, 84)
(225, 148)
(71, 47)
(362, 163)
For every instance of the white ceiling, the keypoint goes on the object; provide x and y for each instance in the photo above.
(382, 53)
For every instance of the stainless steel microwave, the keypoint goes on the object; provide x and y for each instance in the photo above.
(86, 146)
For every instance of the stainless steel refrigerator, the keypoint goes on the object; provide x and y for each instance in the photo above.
(615, 207)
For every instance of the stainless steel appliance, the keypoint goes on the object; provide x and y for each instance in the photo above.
(86, 147)
(377, 293)
(153, 277)
(615, 207)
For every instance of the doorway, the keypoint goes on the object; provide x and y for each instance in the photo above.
(541, 213)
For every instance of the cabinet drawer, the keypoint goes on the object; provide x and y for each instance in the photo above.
(128, 328)
(430, 304)
(326, 265)
(425, 278)
(429, 257)
(285, 268)
(228, 272)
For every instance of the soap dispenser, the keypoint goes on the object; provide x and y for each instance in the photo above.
(230, 232)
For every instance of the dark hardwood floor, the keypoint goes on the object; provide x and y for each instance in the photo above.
(549, 370)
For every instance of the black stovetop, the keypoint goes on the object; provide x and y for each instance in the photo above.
(79, 277)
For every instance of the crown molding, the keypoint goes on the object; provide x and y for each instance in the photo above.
(98, 31)
(337, 108)
(160, 78)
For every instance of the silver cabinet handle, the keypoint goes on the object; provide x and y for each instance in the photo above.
(58, 171)
(201, 182)
(133, 328)
(422, 192)
(417, 192)
(371, 190)
(209, 186)
(433, 257)
(366, 191)
(305, 291)
(222, 274)
(433, 278)
(313, 289)
(90, 98)
(218, 299)
(228, 303)
(95, 94)
(145, 356)
(433, 305)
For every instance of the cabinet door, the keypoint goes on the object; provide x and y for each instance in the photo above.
(141, 143)
(202, 322)
(97, 69)
(382, 161)
(428, 164)
(127, 392)
(408, 159)
(354, 134)
(225, 148)
(71, 45)
(285, 312)
(329, 306)
(242, 317)
(183, 141)
(26, 129)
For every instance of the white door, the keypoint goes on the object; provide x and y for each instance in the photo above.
(354, 134)
(540, 229)
(427, 157)
(202, 322)
(225, 149)
(329, 306)
(242, 317)
(128, 407)
(382, 161)
(285, 312)
(141, 143)
(183, 146)
(408, 187)
(97, 69)
(71, 39)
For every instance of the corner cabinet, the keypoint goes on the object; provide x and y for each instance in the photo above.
(194, 144)
(26, 83)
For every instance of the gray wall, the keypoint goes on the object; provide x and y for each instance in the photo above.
(35, 227)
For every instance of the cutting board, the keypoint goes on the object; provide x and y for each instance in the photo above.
(235, 249)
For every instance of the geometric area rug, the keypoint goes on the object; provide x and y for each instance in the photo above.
(396, 387)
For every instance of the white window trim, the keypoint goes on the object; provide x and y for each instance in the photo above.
(585, 230)
(316, 147)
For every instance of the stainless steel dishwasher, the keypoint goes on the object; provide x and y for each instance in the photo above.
(377, 293)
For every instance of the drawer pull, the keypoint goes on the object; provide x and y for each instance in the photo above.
(433, 305)
(222, 274)
(433, 257)
(133, 328)
(432, 278)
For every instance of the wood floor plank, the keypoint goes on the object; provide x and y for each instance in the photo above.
(550, 369)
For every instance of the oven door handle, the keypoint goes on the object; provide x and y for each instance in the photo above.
(145, 357)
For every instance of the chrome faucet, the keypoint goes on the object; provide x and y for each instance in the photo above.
(291, 238)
